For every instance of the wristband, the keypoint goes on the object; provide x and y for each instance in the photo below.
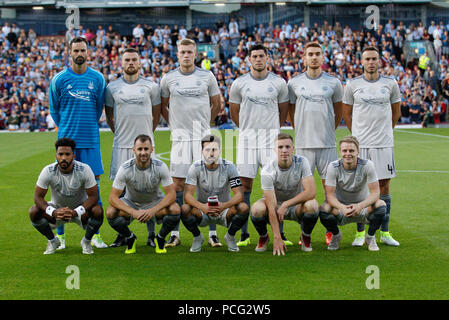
(49, 210)
(80, 211)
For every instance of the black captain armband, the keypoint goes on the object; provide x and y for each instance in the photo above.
(235, 182)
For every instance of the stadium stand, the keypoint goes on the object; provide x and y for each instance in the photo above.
(29, 59)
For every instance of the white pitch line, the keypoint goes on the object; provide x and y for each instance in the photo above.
(159, 155)
(423, 171)
(424, 134)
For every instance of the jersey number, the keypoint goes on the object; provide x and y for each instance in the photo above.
(390, 168)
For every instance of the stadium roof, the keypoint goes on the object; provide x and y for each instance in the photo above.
(183, 3)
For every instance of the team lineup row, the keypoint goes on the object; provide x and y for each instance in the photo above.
(352, 195)
(259, 102)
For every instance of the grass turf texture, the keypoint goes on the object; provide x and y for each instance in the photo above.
(418, 269)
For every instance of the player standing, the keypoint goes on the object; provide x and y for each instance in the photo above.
(133, 107)
(190, 98)
(76, 97)
(371, 111)
(258, 102)
(316, 110)
(74, 198)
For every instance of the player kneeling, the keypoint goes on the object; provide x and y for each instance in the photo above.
(352, 194)
(289, 191)
(213, 177)
(143, 200)
(74, 197)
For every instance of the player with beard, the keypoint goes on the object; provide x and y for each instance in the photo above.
(213, 176)
(143, 200)
(133, 107)
(74, 198)
(372, 107)
(190, 98)
(258, 102)
(316, 110)
(76, 97)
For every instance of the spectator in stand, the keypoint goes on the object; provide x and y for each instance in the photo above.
(405, 112)
(42, 121)
(415, 111)
(13, 121)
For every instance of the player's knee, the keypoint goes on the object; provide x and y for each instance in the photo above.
(186, 210)
(379, 203)
(97, 212)
(174, 209)
(325, 207)
(311, 206)
(111, 212)
(243, 208)
(34, 213)
(258, 210)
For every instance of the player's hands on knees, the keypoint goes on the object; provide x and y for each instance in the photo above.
(352, 210)
(146, 216)
(281, 212)
(65, 214)
(279, 246)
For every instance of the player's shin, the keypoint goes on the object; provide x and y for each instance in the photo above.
(43, 227)
(169, 222)
(260, 223)
(386, 221)
(237, 221)
(191, 224)
(329, 221)
(92, 227)
(247, 200)
(308, 222)
(120, 225)
(375, 219)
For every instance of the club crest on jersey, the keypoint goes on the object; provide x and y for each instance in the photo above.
(91, 85)
(69, 87)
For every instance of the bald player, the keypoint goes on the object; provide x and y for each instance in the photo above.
(371, 111)
(316, 110)
(190, 99)
(133, 107)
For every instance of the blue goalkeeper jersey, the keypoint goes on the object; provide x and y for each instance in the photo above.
(76, 105)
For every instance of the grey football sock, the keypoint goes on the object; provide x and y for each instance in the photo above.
(120, 225)
(93, 225)
(43, 227)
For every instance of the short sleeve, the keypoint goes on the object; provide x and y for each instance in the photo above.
(165, 91)
(109, 99)
(305, 168)
(234, 94)
(338, 92)
(191, 175)
(120, 179)
(283, 92)
(155, 95)
(89, 177)
(348, 97)
(291, 93)
(44, 179)
(267, 177)
(166, 179)
(331, 176)
(213, 86)
(395, 96)
(371, 175)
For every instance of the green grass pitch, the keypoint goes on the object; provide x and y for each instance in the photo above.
(418, 269)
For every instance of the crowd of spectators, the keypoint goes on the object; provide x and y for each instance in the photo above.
(29, 61)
